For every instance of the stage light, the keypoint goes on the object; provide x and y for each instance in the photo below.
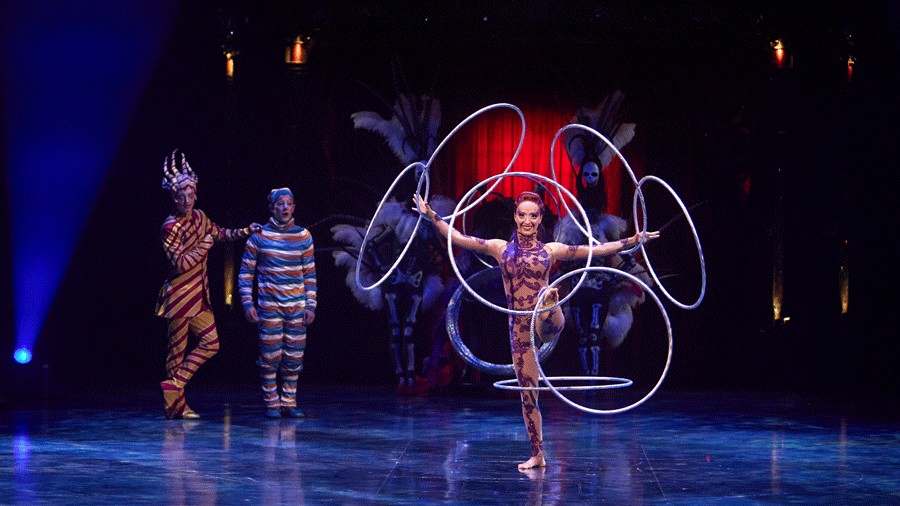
(22, 355)
(63, 123)
(844, 279)
(778, 48)
(296, 54)
(229, 65)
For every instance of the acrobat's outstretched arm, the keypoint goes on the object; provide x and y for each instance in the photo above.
(492, 247)
(562, 251)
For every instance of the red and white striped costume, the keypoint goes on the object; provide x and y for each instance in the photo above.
(184, 297)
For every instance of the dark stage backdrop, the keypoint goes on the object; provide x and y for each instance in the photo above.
(715, 118)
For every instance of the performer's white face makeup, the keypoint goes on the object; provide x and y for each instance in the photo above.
(528, 217)
(184, 200)
(590, 174)
(282, 209)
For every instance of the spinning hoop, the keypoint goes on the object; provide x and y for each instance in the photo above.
(362, 248)
(426, 174)
(637, 186)
(464, 352)
(556, 391)
(509, 166)
(456, 267)
(696, 241)
(512, 384)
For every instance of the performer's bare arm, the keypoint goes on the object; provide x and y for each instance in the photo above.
(492, 247)
(562, 251)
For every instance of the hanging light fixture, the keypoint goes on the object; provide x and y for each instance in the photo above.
(851, 61)
(229, 65)
(778, 52)
(229, 49)
(296, 53)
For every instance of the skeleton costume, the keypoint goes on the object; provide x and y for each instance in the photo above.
(184, 296)
(602, 308)
(281, 260)
(415, 284)
(410, 290)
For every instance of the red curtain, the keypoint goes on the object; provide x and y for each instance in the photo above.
(485, 146)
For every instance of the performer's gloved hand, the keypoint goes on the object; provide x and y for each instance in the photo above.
(310, 316)
(255, 228)
(250, 315)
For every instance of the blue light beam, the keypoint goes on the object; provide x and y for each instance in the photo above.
(72, 75)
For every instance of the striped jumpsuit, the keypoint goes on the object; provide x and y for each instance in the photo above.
(184, 297)
(281, 259)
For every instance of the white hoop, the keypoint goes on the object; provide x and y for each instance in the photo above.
(512, 384)
(456, 267)
(452, 324)
(665, 315)
(362, 248)
(509, 166)
(637, 188)
(696, 241)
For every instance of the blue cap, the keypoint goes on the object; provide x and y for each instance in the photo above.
(277, 192)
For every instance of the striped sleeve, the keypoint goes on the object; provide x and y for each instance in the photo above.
(247, 272)
(182, 258)
(309, 274)
(226, 234)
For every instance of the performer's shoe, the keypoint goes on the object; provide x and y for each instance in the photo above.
(189, 414)
(293, 412)
(273, 413)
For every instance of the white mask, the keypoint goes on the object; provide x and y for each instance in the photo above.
(590, 174)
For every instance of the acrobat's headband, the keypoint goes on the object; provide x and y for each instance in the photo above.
(277, 192)
(177, 173)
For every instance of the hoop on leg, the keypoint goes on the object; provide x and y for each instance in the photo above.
(464, 352)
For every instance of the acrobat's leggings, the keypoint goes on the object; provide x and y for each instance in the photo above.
(282, 341)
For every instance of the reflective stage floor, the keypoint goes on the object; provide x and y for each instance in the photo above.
(368, 446)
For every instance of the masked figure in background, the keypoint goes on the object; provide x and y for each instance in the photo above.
(281, 260)
(418, 280)
(187, 235)
(602, 309)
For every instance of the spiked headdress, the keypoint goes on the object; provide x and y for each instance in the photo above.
(177, 172)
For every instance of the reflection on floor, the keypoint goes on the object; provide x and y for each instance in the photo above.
(367, 446)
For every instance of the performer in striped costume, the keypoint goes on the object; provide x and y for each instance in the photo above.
(187, 235)
(281, 260)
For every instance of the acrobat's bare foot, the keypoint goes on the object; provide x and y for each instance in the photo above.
(536, 461)
(551, 297)
(535, 473)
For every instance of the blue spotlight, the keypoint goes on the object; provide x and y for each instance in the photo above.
(63, 118)
(22, 355)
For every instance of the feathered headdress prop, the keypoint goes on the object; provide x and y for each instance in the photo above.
(584, 147)
(412, 130)
(177, 173)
